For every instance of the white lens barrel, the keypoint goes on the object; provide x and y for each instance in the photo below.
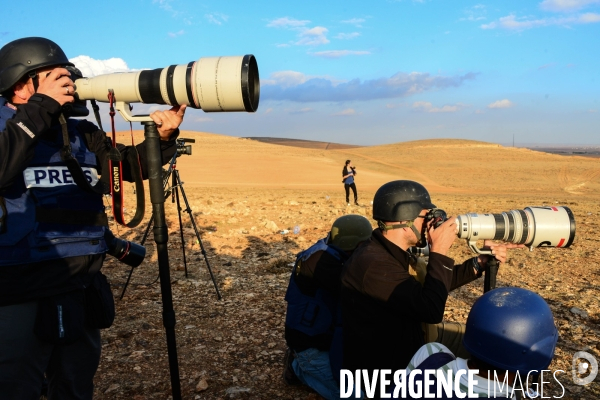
(213, 84)
(533, 226)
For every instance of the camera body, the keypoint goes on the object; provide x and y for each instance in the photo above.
(182, 148)
(437, 215)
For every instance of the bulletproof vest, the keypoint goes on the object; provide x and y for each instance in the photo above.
(48, 215)
(6, 113)
(311, 315)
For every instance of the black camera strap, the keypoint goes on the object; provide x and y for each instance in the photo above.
(73, 165)
(115, 165)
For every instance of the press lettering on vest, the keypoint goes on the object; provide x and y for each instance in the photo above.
(66, 176)
(55, 176)
(26, 129)
(116, 184)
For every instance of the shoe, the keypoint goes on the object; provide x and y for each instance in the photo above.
(348, 203)
(289, 376)
(356, 203)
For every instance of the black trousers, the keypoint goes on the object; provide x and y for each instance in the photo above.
(347, 188)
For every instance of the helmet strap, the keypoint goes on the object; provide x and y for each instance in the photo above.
(408, 224)
(35, 80)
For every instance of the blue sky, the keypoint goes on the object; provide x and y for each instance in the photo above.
(358, 72)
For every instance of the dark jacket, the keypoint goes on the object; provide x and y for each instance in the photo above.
(318, 273)
(383, 306)
(34, 121)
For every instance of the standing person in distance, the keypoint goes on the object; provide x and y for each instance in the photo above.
(53, 233)
(348, 174)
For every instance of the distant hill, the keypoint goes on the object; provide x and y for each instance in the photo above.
(307, 144)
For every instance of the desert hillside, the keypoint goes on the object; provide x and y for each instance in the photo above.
(246, 198)
(442, 165)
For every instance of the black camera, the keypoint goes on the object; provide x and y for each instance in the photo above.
(437, 215)
(182, 148)
(78, 108)
(125, 251)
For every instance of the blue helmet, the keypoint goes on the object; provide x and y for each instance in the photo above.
(511, 329)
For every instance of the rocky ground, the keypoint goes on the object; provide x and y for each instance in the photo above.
(233, 347)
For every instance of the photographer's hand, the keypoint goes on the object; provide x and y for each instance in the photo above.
(498, 251)
(168, 121)
(441, 238)
(57, 84)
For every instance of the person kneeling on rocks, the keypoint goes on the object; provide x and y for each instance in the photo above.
(313, 315)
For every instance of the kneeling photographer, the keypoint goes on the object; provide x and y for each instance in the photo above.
(53, 230)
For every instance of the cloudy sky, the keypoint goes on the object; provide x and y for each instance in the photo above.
(359, 72)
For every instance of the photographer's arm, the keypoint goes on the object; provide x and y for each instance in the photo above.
(18, 140)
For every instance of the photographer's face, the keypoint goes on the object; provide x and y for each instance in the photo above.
(23, 91)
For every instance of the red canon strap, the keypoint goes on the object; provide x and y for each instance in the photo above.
(115, 165)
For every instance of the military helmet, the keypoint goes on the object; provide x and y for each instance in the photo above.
(349, 230)
(400, 201)
(511, 329)
(23, 56)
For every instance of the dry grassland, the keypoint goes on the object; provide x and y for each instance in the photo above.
(243, 193)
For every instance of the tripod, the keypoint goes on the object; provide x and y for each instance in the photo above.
(177, 186)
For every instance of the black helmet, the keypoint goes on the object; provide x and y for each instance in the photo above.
(22, 56)
(349, 230)
(400, 201)
(511, 329)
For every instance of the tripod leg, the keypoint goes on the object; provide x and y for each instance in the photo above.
(189, 211)
(176, 194)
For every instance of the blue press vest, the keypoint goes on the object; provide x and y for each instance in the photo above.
(6, 113)
(27, 240)
(307, 314)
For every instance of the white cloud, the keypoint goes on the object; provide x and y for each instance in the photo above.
(354, 21)
(340, 53)
(90, 67)
(175, 34)
(286, 22)
(475, 13)
(505, 103)
(428, 107)
(347, 111)
(285, 79)
(511, 22)
(216, 18)
(302, 111)
(566, 5)
(346, 36)
(295, 86)
(313, 37)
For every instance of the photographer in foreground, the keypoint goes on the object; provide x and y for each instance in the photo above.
(53, 237)
(384, 307)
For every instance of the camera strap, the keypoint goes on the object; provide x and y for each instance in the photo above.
(115, 166)
(73, 165)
